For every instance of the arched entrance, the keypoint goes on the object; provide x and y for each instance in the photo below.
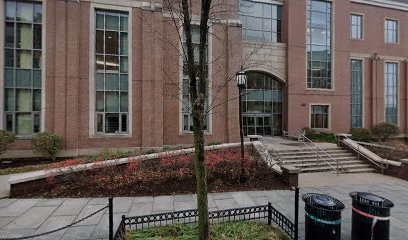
(262, 105)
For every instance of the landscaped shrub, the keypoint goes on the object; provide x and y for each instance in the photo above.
(361, 134)
(6, 140)
(47, 144)
(319, 136)
(383, 131)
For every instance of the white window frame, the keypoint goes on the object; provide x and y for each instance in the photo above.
(360, 28)
(397, 90)
(362, 90)
(43, 67)
(386, 30)
(209, 64)
(92, 93)
(329, 116)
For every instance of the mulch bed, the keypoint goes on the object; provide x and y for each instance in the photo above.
(167, 176)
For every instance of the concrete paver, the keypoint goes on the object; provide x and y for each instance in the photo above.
(53, 213)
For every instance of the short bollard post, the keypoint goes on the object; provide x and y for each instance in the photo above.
(296, 213)
(110, 218)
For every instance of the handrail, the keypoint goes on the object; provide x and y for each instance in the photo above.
(337, 169)
(359, 152)
(269, 147)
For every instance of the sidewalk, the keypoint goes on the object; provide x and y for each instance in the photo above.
(21, 217)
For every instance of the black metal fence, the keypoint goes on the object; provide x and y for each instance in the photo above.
(263, 212)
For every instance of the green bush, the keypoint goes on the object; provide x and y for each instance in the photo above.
(361, 134)
(6, 140)
(47, 144)
(383, 131)
(319, 136)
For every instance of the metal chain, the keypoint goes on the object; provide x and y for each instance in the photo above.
(58, 229)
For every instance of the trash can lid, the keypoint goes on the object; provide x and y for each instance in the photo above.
(322, 201)
(371, 199)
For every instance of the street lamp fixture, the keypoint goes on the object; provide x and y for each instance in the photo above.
(241, 83)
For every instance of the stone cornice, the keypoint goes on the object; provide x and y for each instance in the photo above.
(384, 3)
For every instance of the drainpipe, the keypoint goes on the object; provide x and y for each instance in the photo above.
(406, 96)
(374, 73)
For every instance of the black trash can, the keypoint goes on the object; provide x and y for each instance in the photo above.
(322, 217)
(370, 217)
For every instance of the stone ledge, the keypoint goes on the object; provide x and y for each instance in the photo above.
(291, 169)
(404, 161)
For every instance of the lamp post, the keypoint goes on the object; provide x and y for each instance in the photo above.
(241, 83)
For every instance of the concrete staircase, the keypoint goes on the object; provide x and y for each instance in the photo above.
(307, 161)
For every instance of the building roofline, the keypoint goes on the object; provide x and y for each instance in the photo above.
(385, 4)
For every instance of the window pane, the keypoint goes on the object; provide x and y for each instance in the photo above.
(37, 123)
(112, 63)
(112, 123)
(124, 101)
(112, 22)
(37, 13)
(9, 122)
(24, 36)
(37, 100)
(37, 37)
(9, 96)
(37, 79)
(100, 21)
(10, 10)
(99, 42)
(100, 101)
(124, 82)
(111, 42)
(9, 34)
(23, 124)
(124, 122)
(99, 122)
(112, 102)
(124, 23)
(9, 58)
(24, 12)
(23, 100)
(124, 68)
(37, 59)
(123, 44)
(100, 63)
(99, 79)
(23, 59)
(23, 78)
(112, 81)
(9, 77)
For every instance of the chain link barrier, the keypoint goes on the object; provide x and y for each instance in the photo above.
(58, 229)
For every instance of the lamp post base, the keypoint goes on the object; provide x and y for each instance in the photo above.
(243, 179)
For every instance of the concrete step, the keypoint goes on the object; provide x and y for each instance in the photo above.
(326, 168)
(321, 163)
(360, 170)
(313, 155)
(308, 150)
(314, 159)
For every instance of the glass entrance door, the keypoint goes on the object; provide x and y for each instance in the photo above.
(262, 103)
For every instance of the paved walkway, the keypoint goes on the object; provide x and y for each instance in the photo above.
(30, 216)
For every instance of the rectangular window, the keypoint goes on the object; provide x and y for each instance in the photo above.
(111, 72)
(319, 44)
(22, 71)
(319, 116)
(356, 93)
(187, 117)
(356, 26)
(261, 21)
(391, 31)
(391, 93)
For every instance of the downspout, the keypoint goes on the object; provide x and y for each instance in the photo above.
(374, 73)
(406, 97)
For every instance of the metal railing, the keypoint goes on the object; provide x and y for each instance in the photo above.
(338, 168)
(267, 212)
(383, 164)
(275, 158)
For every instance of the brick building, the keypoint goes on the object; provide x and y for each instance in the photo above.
(109, 74)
